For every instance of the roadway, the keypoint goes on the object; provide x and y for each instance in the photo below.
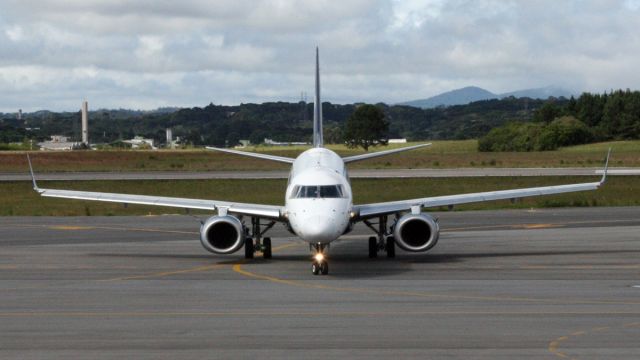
(355, 173)
(538, 284)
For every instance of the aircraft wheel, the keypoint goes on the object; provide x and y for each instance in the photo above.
(324, 268)
(248, 248)
(315, 268)
(373, 247)
(391, 247)
(266, 253)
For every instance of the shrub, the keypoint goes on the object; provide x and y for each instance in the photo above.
(517, 136)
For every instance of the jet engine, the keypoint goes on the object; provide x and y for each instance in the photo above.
(222, 234)
(416, 232)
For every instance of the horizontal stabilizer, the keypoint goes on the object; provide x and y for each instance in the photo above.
(255, 155)
(349, 159)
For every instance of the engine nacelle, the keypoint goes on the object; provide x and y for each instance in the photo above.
(416, 232)
(222, 234)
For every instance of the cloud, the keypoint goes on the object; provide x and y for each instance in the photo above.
(150, 53)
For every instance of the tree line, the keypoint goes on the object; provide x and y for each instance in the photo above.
(222, 125)
(589, 118)
(502, 124)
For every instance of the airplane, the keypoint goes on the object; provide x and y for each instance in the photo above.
(319, 205)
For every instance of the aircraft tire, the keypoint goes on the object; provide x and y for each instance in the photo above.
(373, 247)
(248, 248)
(391, 247)
(315, 268)
(324, 268)
(266, 253)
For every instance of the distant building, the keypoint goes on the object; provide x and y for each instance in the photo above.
(58, 143)
(244, 143)
(277, 143)
(19, 114)
(59, 138)
(397, 141)
(140, 142)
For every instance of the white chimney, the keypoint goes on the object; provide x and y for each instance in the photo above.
(85, 123)
(169, 138)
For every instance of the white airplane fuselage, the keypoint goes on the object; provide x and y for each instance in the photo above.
(318, 200)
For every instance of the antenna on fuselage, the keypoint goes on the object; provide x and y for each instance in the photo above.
(317, 108)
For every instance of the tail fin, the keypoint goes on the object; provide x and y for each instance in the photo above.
(317, 109)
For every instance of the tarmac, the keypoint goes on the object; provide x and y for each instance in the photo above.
(517, 284)
(355, 173)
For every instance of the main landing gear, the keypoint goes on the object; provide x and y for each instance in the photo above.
(254, 242)
(382, 242)
(319, 264)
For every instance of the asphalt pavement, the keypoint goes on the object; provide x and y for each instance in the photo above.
(538, 284)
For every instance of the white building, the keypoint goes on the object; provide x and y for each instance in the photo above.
(138, 142)
(58, 143)
(268, 141)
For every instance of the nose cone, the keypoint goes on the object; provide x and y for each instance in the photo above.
(319, 229)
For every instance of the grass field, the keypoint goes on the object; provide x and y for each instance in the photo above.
(443, 154)
(17, 198)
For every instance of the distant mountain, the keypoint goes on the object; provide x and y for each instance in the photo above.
(455, 97)
(470, 94)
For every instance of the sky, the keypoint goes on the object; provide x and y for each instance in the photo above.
(155, 53)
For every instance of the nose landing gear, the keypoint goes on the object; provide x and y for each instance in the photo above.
(319, 264)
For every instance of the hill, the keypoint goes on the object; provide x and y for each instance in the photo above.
(461, 96)
(470, 94)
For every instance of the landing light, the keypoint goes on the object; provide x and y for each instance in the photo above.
(319, 257)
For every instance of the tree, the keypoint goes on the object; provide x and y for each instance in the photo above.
(563, 131)
(366, 127)
(514, 136)
(546, 113)
(332, 134)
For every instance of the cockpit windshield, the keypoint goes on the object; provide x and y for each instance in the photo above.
(317, 191)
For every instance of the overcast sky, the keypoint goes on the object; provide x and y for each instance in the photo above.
(151, 53)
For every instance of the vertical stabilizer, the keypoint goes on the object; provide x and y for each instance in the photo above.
(317, 109)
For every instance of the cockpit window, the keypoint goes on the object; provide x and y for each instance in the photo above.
(317, 191)
(332, 191)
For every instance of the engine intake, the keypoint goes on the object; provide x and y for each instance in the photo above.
(222, 234)
(416, 232)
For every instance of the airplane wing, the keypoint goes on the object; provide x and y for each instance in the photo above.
(377, 209)
(264, 211)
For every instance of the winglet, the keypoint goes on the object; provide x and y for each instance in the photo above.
(33, 177)
(606, 167)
